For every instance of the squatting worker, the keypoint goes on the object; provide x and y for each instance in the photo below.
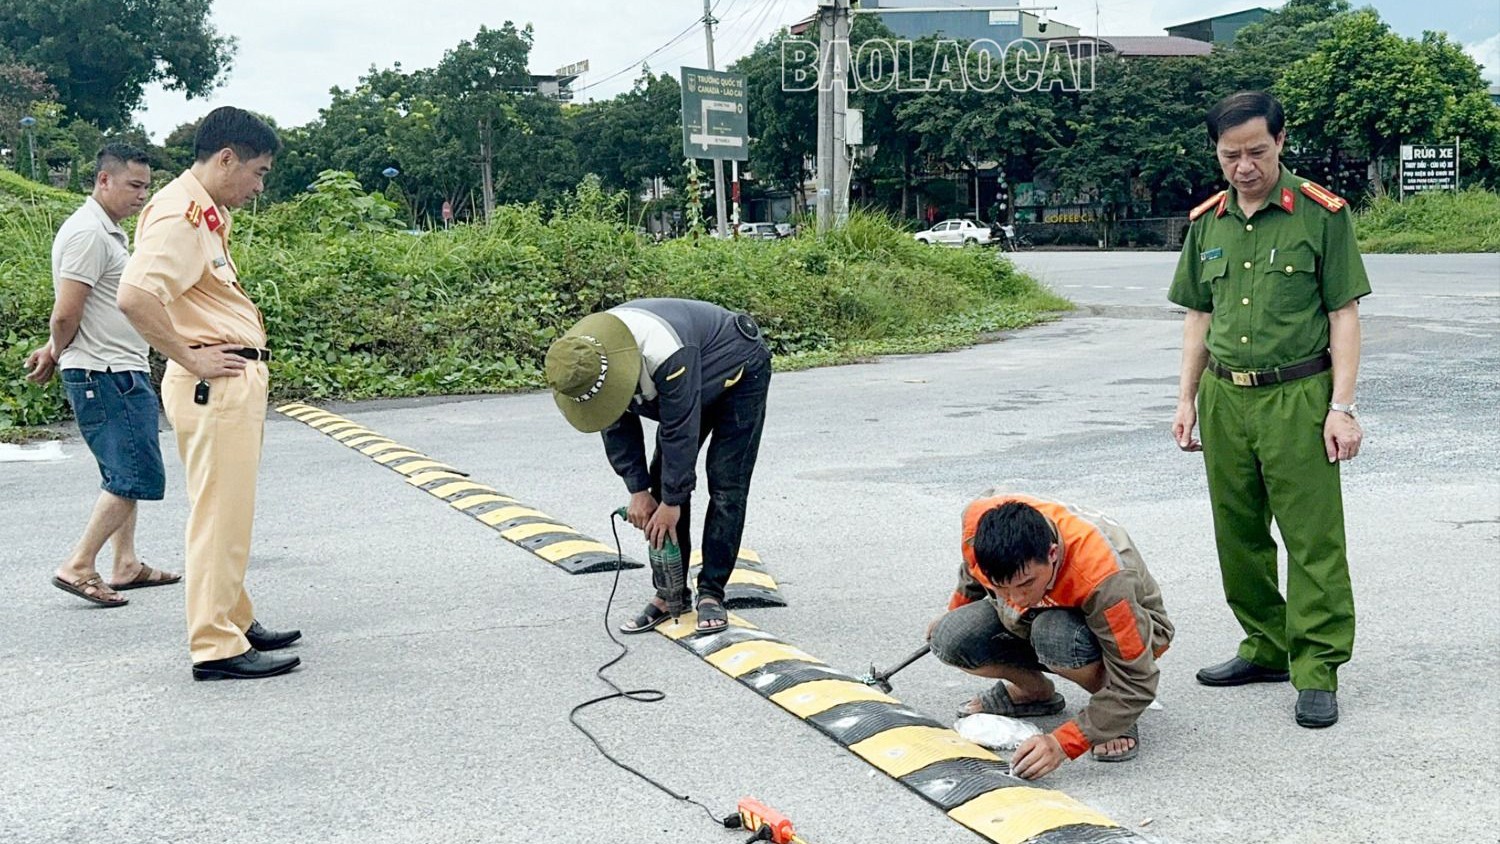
(1050, 587)
(1271, 278)
(182, 292)
(702, 373)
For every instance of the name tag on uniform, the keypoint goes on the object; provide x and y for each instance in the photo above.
(219, 262)
(1211, 254)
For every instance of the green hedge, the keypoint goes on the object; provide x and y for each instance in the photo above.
(356, 309)
(1468, 221)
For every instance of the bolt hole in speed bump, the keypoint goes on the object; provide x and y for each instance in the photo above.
(527, 527)
(969, 783)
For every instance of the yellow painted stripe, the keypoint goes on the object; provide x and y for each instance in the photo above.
(459, 486)
(527, 531)
(558, 551)
(292, 406)
(505, 514)
(1014, 815)
(475, 500)
(902, 750)
(331, 422)
(738, 660)
(745, 554)
(351, 433)
(752, 578)
(805, 700)
(393, 456)
(366, 439)
(687, 625)
(416, 466)
(387, 445)
(428, 477)
(343, 426)
(317, 416)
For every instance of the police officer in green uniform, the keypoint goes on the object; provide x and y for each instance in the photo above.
(1271, 279)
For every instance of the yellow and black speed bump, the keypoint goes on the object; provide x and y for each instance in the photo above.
(968, 782)
(519, 524)
(750, 585)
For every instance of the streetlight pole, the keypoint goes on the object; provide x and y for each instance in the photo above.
(27, 123)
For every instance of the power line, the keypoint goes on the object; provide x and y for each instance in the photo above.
(674, 40)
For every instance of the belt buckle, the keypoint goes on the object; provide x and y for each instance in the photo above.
(1242, 379)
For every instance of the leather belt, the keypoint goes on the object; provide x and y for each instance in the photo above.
(248, 353)
(1278, 375)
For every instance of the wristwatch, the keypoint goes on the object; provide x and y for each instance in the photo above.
(1343, 408)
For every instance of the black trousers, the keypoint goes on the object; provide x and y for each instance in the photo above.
(731, 426)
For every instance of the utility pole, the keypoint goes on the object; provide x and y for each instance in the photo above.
(719, 211)
(833, 107)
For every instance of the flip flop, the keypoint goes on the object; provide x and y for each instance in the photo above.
(996, 701)
(648, 619)
(143, 579)
(1133, 733)
(710, 611)
(82, 587)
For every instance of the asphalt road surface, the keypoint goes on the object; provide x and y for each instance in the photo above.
(440, 662)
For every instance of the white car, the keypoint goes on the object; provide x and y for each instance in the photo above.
(956, 233)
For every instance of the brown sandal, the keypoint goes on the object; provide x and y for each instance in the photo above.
(146, 577)
(83, 588)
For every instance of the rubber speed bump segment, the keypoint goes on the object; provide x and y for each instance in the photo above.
(537, 532)
(971, 784)
(750, 585)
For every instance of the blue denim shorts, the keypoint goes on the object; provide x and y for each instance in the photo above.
(117, 414)
(972, 637)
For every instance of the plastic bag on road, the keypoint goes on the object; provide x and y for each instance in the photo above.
(996, 732)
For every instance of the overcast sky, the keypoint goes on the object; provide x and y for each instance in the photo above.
(291, 52)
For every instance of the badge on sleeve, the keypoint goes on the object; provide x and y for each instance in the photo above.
(194, 214)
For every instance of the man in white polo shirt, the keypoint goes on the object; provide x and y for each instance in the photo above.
(106, 376)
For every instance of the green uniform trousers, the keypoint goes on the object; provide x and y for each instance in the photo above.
(1263, 448)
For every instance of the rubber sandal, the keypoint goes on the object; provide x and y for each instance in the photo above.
(143, 579)
(996, 701)
(82, 587)
(1133, 733)
(710, 611)
(648, 619)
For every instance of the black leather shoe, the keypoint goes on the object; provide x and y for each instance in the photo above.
(1238, 672)
(270, 640)
(250, 665)
(1317, 708)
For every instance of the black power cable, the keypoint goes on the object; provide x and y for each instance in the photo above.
(637, 695)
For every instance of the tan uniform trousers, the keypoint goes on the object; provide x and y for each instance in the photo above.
(220, 445)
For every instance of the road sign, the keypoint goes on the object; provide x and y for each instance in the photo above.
(1428, 167)
(715, 122)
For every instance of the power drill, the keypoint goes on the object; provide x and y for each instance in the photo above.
(668, 571)
(766, 823)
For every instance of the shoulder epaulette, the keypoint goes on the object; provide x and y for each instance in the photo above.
(1324, 197)
(1221, 198)
(194, 214)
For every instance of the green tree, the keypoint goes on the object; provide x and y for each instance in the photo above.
(100, 54)
(1368, 90)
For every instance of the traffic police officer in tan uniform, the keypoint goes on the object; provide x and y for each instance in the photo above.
(182, 292)
(1271, 276)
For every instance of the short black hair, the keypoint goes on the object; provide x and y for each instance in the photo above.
(1241, 108)
(239, 130)
(117, 154)
(1010, 536)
